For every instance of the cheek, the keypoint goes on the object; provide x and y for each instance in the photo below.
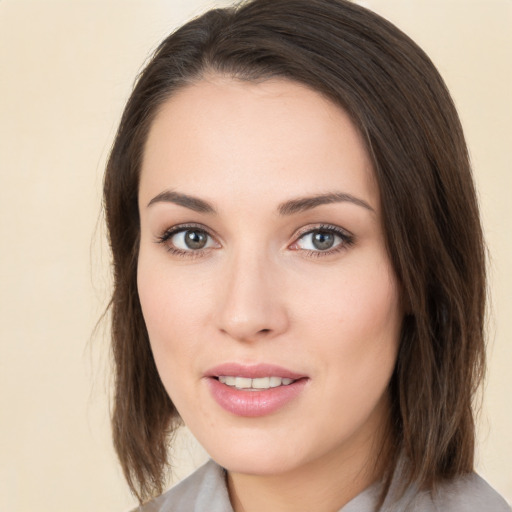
(169, 298)
(356, 321)
(354, 300)
(170, 311)
(356, 351)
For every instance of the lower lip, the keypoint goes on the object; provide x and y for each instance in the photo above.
(254, 403)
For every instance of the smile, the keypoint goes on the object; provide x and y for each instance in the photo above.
(257, 384)
(254, 390)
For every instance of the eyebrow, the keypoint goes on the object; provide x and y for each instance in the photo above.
(287, 208)
(307, 203)
(190, 202)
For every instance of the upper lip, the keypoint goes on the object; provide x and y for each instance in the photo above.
(253, 371)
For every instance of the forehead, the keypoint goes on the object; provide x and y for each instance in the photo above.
(260, 140)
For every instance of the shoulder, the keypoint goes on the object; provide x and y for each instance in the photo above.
(203, 491)
(467, 493)
(470, 493)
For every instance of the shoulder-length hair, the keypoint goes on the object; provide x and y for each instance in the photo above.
(401, 106)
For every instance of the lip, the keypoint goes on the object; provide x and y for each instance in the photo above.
(253, 371)
(254, 403)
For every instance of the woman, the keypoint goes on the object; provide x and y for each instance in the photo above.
(299, 268)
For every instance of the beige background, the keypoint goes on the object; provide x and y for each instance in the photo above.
(66, 69)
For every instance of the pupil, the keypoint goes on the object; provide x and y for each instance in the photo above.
(323, 240)
(195, 239)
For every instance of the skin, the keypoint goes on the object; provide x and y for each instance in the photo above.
(260, 292)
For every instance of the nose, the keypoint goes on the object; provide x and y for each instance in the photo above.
(251, 303)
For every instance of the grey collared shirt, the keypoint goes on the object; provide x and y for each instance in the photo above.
(206, 491)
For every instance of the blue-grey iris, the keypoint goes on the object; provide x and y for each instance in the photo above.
(323, 240)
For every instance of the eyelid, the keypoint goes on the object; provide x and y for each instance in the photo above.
(167, 233)
(165, 237)
(347, 239)
(321, 227)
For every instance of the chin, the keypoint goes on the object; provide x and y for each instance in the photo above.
(257, 464)
(253, 454)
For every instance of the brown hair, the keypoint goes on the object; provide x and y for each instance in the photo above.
(401, 105)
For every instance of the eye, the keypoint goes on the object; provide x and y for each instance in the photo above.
(323, 239)
(187, 239)
(191, 239)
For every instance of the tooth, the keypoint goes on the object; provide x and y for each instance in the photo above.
(243, 383)
(254, 384)
(261, 383)
(275, 381)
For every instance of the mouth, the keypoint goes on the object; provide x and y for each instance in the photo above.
(257, 384)
(254, 390)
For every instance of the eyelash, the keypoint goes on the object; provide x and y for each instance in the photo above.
(347, 240)
(169, 233)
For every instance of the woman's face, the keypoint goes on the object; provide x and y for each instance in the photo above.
(271, 305)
